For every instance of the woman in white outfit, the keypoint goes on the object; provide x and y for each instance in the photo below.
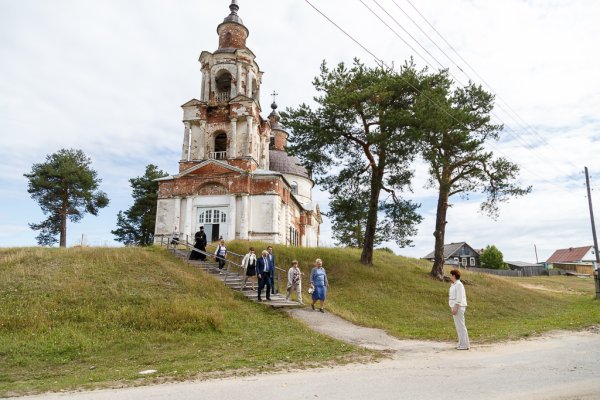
(457, 299)
(294, 282)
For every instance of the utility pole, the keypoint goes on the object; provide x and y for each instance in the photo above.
(536, 257)
(589, 193)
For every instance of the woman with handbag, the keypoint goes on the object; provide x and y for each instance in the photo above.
(319, 284)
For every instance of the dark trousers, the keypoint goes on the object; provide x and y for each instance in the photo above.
(272, 281)
(265, 280)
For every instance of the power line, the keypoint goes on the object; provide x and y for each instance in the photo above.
(520, 120)
(510, 132)
(408, 82)
(379, 60)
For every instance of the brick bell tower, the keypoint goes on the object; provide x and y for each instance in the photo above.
(225, 124)
(235, 179)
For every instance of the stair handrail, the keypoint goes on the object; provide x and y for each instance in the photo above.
(279, 272)
(191, 248)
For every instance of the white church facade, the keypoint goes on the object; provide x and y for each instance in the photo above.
(235, 178)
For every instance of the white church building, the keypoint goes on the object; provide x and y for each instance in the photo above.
(235, 178)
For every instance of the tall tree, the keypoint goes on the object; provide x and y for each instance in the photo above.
(348, 210)
(456, 128)
(360, 134)
(492, 258)
(66, 188)
(136, 225)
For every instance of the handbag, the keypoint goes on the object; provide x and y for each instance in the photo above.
(311, 289)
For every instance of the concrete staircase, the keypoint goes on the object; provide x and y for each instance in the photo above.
(235, 281)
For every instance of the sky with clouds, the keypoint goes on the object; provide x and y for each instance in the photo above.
(109, 76)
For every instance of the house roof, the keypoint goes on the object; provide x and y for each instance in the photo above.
(521, 264)
(450, 249)
(572, 254)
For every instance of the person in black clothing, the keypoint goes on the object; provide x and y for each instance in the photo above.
(200, 244)
(264, 275)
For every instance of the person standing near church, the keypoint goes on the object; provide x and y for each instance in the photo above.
(202, 242)
(457, 299)
(294, 282)
(272, 265)
(249, 264)
(221, 254)
(319, 282)
(263, 271)
(175, 236)
(199, 244)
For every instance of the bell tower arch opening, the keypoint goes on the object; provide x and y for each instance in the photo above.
(223, 81)
(220, 146)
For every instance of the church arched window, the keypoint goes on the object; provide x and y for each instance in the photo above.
(294, 187)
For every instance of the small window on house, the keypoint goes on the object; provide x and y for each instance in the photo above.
(456, 260)
(272, 141)
(472, 261)
(463, 261)
(294, 187)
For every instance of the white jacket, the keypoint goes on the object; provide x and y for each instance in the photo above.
(457, 294)
(247, 260)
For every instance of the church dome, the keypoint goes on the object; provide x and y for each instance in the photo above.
(280, 161)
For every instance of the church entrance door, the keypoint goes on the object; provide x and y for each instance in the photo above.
(214, 221)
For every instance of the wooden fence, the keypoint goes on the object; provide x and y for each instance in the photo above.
(525, 271)
(500, 272)
(578, 268)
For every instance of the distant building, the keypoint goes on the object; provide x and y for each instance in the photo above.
(235, 178)
(458, 254)
(519, 265)
(583, 254)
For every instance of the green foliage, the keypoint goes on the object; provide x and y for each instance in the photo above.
(398, 295)
(359, 143)
(93, 317)
(456, 129)
(492, 258)
(65, 187)
(135, 226)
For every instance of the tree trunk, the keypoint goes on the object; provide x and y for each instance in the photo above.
(63, 229)
(63, 220)
(376, 182)
(437, 271)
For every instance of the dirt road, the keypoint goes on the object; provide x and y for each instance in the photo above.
(559, 366)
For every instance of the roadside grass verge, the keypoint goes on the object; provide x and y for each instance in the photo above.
(398, 295)
(95, 317)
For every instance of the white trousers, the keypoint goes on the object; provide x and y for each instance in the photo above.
(461, 328)
(298, 289)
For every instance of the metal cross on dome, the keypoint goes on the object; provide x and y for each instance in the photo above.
(274, 94)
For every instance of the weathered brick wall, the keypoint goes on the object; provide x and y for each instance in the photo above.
(280, 139)
(232, 35)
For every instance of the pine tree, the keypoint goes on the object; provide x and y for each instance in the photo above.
(136, 225)
(65, 187)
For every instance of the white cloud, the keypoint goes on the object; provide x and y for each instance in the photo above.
(108, 77)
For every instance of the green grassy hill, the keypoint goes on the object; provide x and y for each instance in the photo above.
(97, 316)
(397, 295)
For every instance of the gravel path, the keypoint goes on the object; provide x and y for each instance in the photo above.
(557, 366)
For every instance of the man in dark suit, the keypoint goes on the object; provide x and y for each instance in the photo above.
(271, 257)
(263, 270)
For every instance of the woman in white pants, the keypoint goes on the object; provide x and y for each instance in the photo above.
(457, 299)
(294, 282)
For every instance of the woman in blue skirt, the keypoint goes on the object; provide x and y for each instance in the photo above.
(318, 280)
